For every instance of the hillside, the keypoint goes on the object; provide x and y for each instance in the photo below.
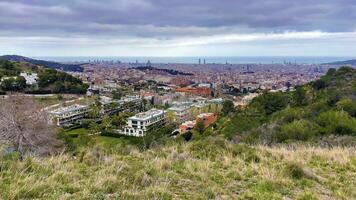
(209, 169)
(340, 63)
(49, 64)
(49, 80)
(313, 113)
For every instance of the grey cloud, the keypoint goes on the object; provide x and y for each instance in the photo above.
(166, 19)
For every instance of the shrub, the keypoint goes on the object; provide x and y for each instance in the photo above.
(347, 105)
(271, 102)
(200, 127)
(319, 84)
(246, 152)
(337, 122)
(294, 170)
(297, 130)
(319, 107)
(289, 114)
(187, 136)
(228, 107)
(299, 96)
(333, 97)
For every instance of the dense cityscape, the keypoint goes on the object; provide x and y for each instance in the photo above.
(179, 88)
(178, 99)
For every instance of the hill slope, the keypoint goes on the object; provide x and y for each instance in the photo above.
(49, 80)
(346, 62)
(208, 169)
(49, 64)
(312, 113)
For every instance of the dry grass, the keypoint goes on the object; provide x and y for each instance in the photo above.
(184, 171)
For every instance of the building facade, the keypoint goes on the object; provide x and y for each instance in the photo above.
(68, 116)
(142, 123)
(179, 114)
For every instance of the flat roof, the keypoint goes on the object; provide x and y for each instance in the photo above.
(146, 115)
(68, 109)
(178, 108)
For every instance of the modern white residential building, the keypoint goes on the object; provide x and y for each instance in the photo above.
(144, 122)
(67, 116)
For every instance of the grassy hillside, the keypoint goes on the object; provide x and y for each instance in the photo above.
(212, 168)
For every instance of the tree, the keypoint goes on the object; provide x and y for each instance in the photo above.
(26, 126)
(95, 110)
(300, 96)
(228, 106)
(120, 119)
(106, 124)
(331, 72)
(319, 84)
(200, 127)
(117, 94)
(347, 105)
(94, 128)
(271, 102)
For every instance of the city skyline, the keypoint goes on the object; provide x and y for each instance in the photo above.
(178, 28)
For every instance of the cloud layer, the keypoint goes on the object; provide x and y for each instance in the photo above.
(193, 24)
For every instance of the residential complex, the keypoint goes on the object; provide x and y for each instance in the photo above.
(125, 104)
(67, 116)
(71, 115)
(144, 122)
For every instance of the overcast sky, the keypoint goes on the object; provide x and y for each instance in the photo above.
(178, 27)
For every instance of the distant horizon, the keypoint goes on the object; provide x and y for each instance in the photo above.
(208, 59)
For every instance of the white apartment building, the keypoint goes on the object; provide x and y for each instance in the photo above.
(67, 116)
(144, 122)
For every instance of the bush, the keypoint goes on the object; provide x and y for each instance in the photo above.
(200, 127)
(271, 102)
(337, 122)
(294, 171)
(228, 107)
(297, 130)
(289, 114)
(319, 84)
(300, 96)
(86, 123)
(246, 152)
(187, 136)
(347, 105)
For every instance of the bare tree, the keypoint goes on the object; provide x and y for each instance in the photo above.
(26, 126)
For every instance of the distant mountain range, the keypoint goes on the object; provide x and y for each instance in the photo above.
(49, 64)
(346, 62)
